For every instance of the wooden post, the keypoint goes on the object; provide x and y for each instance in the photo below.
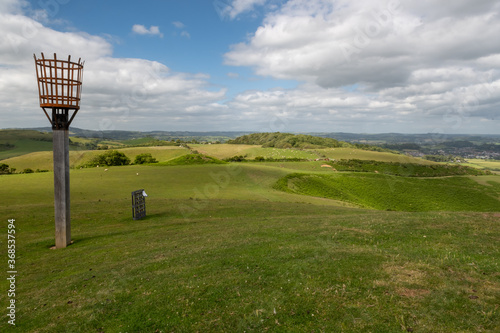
(59, 89)
(61, 187)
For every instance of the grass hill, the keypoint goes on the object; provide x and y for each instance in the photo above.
(483, 164)
(43, 160)
(31, 158)
(302, 141)
(360, 154)
(287, 140)
(397, 193)
(250, 152)
(404, 169)
(19, 142)
(225, 151)
(268, 246)
(193, 159)
(221, 250)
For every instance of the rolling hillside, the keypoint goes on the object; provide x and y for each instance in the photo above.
(19, 142)
(398, 193)
(287, 140)
(221, 249)
(43, 160)
(349, 240)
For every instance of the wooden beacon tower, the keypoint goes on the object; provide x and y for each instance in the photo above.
(60, 88)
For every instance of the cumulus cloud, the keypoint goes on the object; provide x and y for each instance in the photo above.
(310, 108)
(390, 66)
(135, 92)
(12, 6)
(344, 42)
(118, 93)
(142, 30)
(424, 57)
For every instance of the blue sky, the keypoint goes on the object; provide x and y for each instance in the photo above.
(193, 35)
(261, 65)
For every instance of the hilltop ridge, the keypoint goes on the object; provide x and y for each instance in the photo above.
(302, 141)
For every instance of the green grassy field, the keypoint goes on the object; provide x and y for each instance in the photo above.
(252, 151)
(483, 164)
(26, 147)
(351, 153)
(192, 159)
(43, 160)
(24, 142)
(398, 193)
(222, 250)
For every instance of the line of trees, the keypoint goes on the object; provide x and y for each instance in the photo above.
(117, 158)
(5, 169)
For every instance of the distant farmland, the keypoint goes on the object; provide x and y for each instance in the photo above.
(360, 244)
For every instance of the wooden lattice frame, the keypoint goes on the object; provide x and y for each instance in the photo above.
(138, 205)
(59, 83)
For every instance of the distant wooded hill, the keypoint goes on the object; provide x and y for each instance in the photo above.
(223, 136)
(289, 140)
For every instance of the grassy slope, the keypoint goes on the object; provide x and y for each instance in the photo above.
(287, 140)
(251, 151)
(399, 193)
(25, 141)
(43, 160)
(222, 151)
(482, 164)
(192, 159)
(351, 153)
(227, 150)
(243, 258)
(23, 147)
(32, 153)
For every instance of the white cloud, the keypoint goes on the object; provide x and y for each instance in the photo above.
(241, 6)
(423, 57)
(178, 25)
(142, 30)
(236, 7)
(12, 6)
(430, 68)
(24, 36)
(118, 93)
(310, 108)
(343, 42)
